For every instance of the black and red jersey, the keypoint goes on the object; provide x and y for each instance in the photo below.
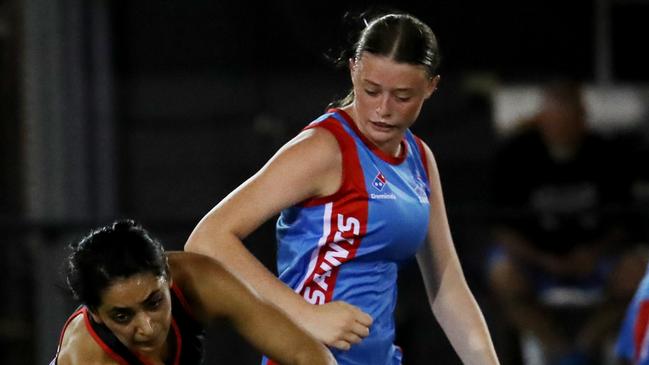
(187, 336)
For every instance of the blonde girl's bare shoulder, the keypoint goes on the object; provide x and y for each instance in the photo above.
(317, 141)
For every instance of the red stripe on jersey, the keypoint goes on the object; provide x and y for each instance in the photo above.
(181, 298)
(114, 355)
(348, 220)
(179, 341)
(65, 327)
(374, 148)
(349, 157)
(640, 328)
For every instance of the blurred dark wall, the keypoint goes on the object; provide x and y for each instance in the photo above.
(9, 113)
(15, 326)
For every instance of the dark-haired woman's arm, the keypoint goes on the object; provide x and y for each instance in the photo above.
(214, 292)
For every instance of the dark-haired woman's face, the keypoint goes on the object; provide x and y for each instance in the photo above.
(138, 311)
(388, 97)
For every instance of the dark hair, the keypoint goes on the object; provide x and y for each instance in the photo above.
(119, 250)
(398, 36)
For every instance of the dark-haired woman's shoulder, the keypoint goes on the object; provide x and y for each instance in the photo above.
(78, 347)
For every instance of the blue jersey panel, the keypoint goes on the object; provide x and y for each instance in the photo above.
(628, 347)
(348, 247)
(304, 228)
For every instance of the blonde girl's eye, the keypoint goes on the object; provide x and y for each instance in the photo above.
(371, 92)
(403, 96)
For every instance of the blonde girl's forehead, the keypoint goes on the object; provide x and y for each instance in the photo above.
(385, 71)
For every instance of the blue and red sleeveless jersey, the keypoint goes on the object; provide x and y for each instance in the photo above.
(348, 246)
(633, 340)
(187, 337)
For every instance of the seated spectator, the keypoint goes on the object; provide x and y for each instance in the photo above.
(559, 238)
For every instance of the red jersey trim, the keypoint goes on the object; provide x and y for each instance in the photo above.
(65, 327)
(115, 356)
(347, 150)
(346, 212)
(640, 328)
(179, 341)
(374, 148)
(183, 300)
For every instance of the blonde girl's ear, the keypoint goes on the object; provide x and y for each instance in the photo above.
(432, 85)
(352, 64)
(352, 67)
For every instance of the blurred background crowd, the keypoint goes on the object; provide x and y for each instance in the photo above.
(155, 110)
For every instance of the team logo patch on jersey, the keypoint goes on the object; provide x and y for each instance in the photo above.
(379, 182)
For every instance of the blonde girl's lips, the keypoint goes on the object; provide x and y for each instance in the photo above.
(382, 126)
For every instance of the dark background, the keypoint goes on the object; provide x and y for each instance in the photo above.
(157, 109)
